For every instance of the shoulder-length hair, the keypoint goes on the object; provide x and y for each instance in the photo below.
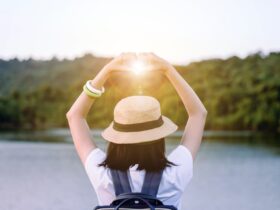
(149, 156)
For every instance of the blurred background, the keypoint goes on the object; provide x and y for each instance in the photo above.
(228, 51)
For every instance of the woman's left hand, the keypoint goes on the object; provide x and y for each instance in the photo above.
(117, 64)
(120, 63)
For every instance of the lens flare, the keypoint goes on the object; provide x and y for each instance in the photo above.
(138, 67)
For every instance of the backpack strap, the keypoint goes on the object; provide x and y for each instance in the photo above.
(120, 181)
(151, 183)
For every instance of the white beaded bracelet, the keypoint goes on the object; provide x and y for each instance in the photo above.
(94, 90)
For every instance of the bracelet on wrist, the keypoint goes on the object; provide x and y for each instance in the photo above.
(94, 90)
(89, 93)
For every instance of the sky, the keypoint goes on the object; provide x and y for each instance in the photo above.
(180, 31)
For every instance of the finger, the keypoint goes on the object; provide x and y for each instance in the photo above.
(141, 55)
(144, 54)
(153, 55)
(125, 56)
(143, 58)
(131, 57)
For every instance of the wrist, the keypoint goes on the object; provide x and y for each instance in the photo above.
(99, 80)
(170, 70)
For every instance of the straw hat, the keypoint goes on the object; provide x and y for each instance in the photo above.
(138, 119)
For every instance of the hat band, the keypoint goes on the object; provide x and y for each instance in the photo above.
(138, 126)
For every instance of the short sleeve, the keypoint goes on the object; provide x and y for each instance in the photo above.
(182, 173)
(95, 172)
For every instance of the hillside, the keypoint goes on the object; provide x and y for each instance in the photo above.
(239, 94)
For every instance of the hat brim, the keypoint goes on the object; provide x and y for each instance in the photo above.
(118, 137)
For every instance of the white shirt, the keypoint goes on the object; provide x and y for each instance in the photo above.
(173, 183)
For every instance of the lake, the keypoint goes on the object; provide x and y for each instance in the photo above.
(41, 171)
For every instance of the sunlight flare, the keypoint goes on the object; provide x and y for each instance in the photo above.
(138, 67)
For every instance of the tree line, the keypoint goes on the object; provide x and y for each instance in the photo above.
(239, 93)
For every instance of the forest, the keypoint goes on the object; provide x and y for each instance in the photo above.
(238, 93)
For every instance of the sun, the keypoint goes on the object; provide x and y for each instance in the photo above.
(138, 67)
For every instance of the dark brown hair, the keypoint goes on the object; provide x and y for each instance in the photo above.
(149, 156)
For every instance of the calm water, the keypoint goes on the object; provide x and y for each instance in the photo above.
(239, 172)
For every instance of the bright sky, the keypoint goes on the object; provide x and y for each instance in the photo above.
(178, 30)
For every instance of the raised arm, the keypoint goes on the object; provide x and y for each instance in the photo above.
(197, 113)
(76, 117)
(193, 131)
(78, 112)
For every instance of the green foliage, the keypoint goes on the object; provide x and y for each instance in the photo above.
(239, 94)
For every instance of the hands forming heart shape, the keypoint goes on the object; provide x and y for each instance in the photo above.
(138, 63)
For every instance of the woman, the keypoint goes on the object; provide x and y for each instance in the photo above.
(136, 136)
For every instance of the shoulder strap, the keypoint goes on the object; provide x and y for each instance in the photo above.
(120, 181)
(151, 183)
